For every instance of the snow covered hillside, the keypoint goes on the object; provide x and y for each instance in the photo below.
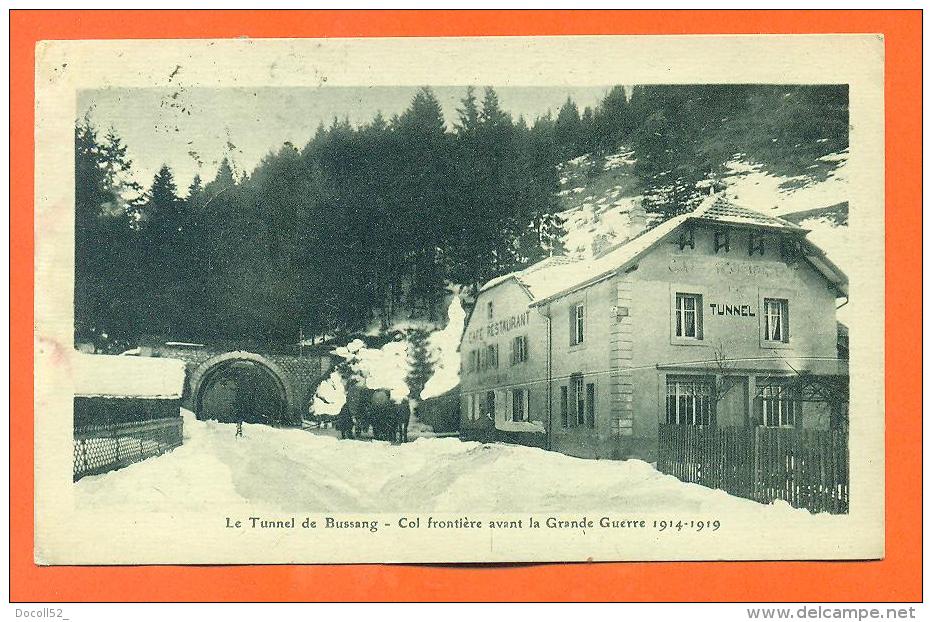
(601, 200)
(285, 470)
(602, 203)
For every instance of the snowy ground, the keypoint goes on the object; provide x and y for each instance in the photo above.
(291, 470)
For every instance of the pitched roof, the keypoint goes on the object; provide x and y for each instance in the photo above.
(539, 279)
(720, 209)
(556, 276)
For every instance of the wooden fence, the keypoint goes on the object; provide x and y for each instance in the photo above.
(805, 468)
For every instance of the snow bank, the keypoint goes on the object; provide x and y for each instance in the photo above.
(388, 367)
(274, 469)
(104, 375)
(443, 346)
(330, 396)
(381, 368)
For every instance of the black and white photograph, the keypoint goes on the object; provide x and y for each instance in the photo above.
(450, 314)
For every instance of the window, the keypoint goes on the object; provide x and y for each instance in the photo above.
(776, 319)
(577, 324)
(470, 407)
(491, 309)
(519, 404)
(778, 404)
(564, 407)
(519, 350)
(473, 361)
(590, 405)
(491, 356)
(579, 397)
(689, 316)
(689, 400)
(490, 405)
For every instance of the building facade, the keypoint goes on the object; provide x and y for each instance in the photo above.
(721, 316)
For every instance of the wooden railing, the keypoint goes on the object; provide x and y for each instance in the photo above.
(805, 468)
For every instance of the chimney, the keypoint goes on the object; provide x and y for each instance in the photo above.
(599, 243)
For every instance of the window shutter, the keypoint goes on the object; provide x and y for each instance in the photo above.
(513, 359)
(527, 404)
(572, 325)
(526, 354)
(582, 331)
(785, 313)
(590, 405)
(698, 316)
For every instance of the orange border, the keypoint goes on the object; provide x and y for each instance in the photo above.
(897, 578)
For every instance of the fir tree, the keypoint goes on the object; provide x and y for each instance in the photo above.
(468, 114)
(566, 131)
(106, 284)
(223, 180)
(420, 365)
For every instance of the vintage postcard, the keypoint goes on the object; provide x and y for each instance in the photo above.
(491, 299)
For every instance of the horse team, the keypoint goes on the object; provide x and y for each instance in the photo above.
(373, 409)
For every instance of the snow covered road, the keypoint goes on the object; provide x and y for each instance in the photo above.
(291, 470)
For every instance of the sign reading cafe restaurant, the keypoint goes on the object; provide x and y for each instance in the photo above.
(493, 329)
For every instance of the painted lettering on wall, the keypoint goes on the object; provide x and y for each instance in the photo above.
(725, 268)
(493, 329)
(731, 309)
(753, 269)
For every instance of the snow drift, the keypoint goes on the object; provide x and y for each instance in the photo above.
(276, 469)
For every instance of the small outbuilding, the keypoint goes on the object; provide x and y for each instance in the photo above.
(126, 409)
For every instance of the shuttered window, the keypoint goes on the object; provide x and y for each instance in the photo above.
(689, 316)
(579, 398)
(577, 324)
(776, 319)
(519, 350)
(491, 356)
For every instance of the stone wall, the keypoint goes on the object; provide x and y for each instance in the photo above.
(301, 374)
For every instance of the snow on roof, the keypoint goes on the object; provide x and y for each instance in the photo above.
(538, 278)
(103, 375)
(559, 275)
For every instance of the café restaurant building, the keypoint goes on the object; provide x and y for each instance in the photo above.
(721, 316)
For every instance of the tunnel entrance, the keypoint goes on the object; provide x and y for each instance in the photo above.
(238, 389)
